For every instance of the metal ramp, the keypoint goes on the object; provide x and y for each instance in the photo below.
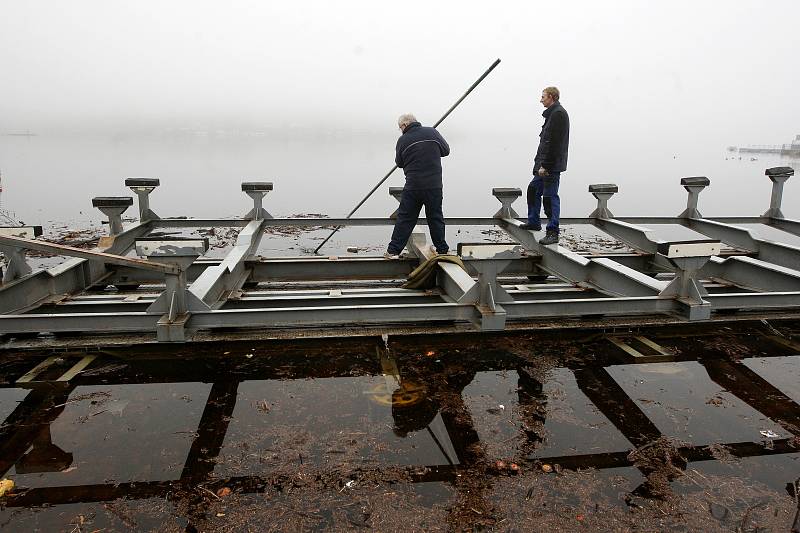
(182, 292)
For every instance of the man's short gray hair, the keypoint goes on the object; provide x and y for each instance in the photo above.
(406, 119)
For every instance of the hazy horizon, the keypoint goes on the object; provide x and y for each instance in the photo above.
(726, 71)
(307, 94)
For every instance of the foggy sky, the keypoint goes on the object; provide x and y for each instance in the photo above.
(627, 70)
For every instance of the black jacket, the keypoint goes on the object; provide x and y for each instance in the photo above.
(553, 140)
(419, 153)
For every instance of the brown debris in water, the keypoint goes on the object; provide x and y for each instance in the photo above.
(662, 463)
(721, 453)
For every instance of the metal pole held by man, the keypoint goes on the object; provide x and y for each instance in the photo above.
(359, 204)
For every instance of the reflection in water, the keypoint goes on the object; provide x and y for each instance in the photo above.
(378, 435)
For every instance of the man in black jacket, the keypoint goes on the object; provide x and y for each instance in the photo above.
(549, 163)
(419, 153)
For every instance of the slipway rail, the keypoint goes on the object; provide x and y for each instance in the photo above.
(164, 289)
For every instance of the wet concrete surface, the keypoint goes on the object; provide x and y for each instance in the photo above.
(546, 431)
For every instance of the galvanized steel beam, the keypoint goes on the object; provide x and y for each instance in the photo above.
(184, 222)
(323, 268)
(332, 315)
(336, 298)
(742, 271)
(69, 277)
(758, 300)
(785, 224)
(78, 322)
(212, 285)
(778, 176)
(772, 252)
(602, 274)
(579, 307)
(752, 274)
(454, 281)
(352, 268)
(102, 257)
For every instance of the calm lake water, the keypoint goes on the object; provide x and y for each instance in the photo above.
(53, 177)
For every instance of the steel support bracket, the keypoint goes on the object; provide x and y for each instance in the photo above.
(176, 301)
(172, 330)
(686, 289)
(113, 207)
(507, 196)
(693, 186)
(489, 260)
(778, 176)
(16, 264)
(257, 190)
(142, 187)
(603, 192)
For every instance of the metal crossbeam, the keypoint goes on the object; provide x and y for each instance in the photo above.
(455, 282)
(784, 224)
(78, 322)
(103, 257)
(362, 268)
(772, 252)
(69, 277)
(604, 275)
(214, 282)
(311, 222)
(332, 315)
(579, 307)
(752, 273)
(754, 300)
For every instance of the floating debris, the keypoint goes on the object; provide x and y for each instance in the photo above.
(6, 485)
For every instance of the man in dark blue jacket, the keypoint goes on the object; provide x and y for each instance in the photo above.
(419, 153)
(549, 163)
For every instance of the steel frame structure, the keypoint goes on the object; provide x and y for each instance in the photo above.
(729, 269)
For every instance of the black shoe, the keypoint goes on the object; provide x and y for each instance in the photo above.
(550, 238)
(531, 227)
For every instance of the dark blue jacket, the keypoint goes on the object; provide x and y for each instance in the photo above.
(420, 150)
(553, 140)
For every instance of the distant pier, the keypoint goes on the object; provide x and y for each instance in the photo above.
(791, 150)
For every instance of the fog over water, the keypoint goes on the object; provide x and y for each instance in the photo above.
(306, 94)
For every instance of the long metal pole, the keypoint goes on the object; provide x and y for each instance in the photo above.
(386, 177)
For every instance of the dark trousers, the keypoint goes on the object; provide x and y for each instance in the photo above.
(544, 190)
(411, 203)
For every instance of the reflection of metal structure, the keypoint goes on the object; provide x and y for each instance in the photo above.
(469, 472)
(730, 269)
